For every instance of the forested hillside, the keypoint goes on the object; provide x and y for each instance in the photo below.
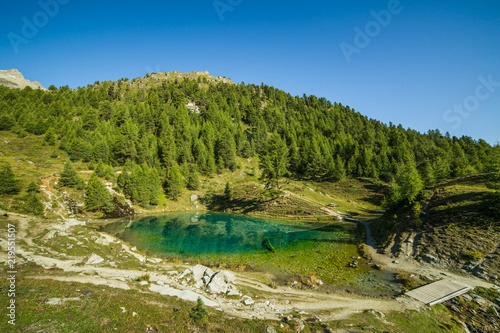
(165, 130)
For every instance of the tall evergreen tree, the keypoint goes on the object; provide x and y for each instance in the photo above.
(9, 184)
(193, 182)
(274, 159)
(69, 177)
(97, 196)
(174, 183)
(32, 204)
(228, 191)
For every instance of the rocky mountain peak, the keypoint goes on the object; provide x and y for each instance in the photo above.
(13, 78)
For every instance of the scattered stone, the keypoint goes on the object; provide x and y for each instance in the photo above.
(195, 197)
(134, 314)
(332, 205)
(232, 291)
(3, 213)
(428, 258)
(297, 324)
(270, 329)
(102, 241)
(184, 273)
(313, 319)
(247, 300)
(94, 259)
(123, 309)
(61, 301)
(187, 295)
(144, 283)
(87, 293)
(480, 300)
(154, 260)
(467, 297)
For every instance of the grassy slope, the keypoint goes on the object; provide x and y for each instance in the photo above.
(31, 160)
(456, 224)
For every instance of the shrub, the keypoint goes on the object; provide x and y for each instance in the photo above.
(473, 255)
(198, 312)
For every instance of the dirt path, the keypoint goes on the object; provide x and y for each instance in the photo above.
(329, 212)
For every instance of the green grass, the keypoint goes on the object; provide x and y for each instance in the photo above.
(101, 311)
(437, 319)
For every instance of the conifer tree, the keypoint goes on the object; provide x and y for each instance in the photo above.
(274, 159)
(97, 196)
(174, 183)
(69, 177)
(32, 204)
(33, 187)
(228, 191)
(9, 184)
(340, 172)
(193, 182)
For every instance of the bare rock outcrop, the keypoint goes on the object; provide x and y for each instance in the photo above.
(13, 78)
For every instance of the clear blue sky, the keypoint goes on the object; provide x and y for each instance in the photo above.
(412, 71)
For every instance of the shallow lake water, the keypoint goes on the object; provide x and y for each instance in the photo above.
(191, 234)
(287, 249)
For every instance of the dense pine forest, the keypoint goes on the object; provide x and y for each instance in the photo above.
(166, 131)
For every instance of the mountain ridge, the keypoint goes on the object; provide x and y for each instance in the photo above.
(13, 78)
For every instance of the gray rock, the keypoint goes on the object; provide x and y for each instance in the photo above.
(270, 329)
(12, 78)
(232, 291)
(185, 272)
(198, 271)
(297, 324)
(187, 295)
(247, 300)
(144, 283)
(206, 280)
(217, 285)
(3, 213)
(208, 272)
(429, 258)
(194, 197)
(102, 241)
(94, 259)
(60, 301)
(227, 276)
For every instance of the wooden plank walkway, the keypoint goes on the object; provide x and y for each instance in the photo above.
(438, 292)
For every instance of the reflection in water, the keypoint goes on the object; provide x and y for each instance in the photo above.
(193, 233)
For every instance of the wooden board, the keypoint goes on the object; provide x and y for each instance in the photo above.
(438, 292)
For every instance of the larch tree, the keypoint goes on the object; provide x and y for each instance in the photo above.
(9, 184)
(97, 196)
(274, 159)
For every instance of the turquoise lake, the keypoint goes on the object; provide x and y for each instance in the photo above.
(188, 234)
(322, 249)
